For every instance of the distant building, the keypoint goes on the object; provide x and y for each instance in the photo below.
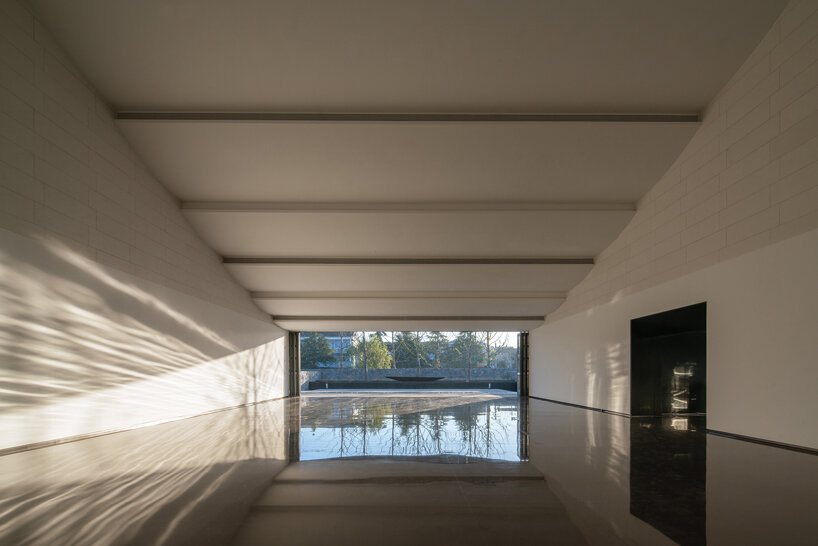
(340, 343)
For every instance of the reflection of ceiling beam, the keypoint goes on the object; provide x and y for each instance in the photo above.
(406, 117)
(267, 206)
(408, 261)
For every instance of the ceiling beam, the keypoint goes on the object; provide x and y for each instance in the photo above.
(407, 117)
(407, 261)
(270, 206)
(306, 318)
(364, 295)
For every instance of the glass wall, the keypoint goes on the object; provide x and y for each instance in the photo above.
(373, 356)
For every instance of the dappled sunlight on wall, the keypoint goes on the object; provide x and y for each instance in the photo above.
(97, 273)
(140, 486)
(617, 362)
(83, 350)
(606, 376)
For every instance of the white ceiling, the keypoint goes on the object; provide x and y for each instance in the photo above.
(418, 234)
(386, 279)
(408, 190)
(420, 55)
(411, 306)
(375, 190)
(408, 324)
(408, 161)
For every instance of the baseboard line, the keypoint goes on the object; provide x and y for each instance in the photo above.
(609, 412)
(770, 443)
(743, 438)
(68, 439)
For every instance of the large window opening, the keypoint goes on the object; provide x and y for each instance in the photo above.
(378, 360)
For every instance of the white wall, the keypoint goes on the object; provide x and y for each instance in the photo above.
(86, 348)
(733, 223)
(113, 313)
(66, 171)
(761, 351)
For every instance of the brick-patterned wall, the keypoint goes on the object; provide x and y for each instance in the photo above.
(66, 172)
(747, 179)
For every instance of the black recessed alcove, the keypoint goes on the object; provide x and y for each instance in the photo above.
(668, 362)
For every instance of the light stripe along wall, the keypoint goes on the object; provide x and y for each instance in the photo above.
(737, 210)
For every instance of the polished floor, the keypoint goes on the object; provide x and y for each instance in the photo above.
(392, 468)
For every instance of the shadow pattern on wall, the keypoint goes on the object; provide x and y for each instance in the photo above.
(82, 347)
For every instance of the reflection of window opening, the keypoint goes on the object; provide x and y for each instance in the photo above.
(680, 385)
(483, 430)
(679, 423)
(687, 369)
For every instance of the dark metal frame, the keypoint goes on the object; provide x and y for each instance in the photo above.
(294, 361)
(522, 383)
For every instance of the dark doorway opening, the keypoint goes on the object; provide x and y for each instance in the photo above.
(668, 362)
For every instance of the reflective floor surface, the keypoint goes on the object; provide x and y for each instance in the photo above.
(475, 467)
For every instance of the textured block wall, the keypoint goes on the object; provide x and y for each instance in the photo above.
(67, 173)
(113, 313)
(747, 179)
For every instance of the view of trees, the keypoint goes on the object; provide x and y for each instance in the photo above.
(388, 350)
(315, 349)
(408, 350)
(504, 357)
(434, 347)
(373, 351)
(466, 351)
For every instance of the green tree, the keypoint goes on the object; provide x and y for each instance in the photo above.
(373, 350)
(375, 416)
(434, 349)
(506, 357)
(466, 351)
(315, 349)
(407, 348)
